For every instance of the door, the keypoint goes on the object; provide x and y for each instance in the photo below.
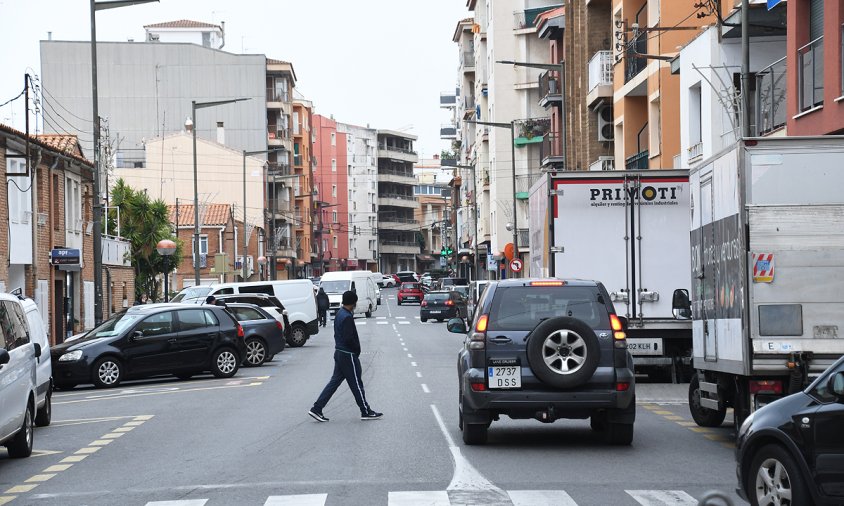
(829, 441)
(708, 280)
(198, 330)
(153, 351)
(17, 375)
(59, 311)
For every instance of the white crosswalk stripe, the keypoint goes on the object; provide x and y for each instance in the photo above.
(297, 500)
(187, 502)
(540, 498)
(662, 497)
(404, 323)
(426, 498)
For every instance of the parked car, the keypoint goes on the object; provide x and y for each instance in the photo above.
(410, 292)
(268, 303)
(18, 384)
(790, 451)
(44, 368)
(388, 281)
(152, 340)
(442, 305)
(408, 276)
(546, 349)
(463, 290)
(262, 332)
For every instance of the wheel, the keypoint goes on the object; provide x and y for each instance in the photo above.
(298, 335)
(107, 372)
(21, 445)
(704, 417)
(563, 352)
(474, 434)
(45, 414)
(774, 478)
(369, 313)
(224, 363)
(399, 302)
(423, 320)
(619, 434)
(256, 352)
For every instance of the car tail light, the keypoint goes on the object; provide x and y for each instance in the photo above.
(766, 387)
(477, 340)
(622, 387)
(449, 303)
(239, 330)
(618, 330)
(424, 303)
(279, 325)
(547, 283)
(478, 387)
(482, 323)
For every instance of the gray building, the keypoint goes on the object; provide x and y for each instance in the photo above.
(145, 91)
(398, 243)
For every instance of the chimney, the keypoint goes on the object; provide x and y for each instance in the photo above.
(188, 125)
(221, 133)
(49, 35)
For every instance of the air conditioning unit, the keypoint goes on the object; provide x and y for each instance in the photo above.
(606, 130)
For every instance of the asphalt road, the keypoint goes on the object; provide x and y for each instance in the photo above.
(249, 441)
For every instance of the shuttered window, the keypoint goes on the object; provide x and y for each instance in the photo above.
(815, 19)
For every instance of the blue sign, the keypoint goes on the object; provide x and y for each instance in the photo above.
(773, 3)
(65, 257)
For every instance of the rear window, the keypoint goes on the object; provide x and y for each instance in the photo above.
(436, 297)
(522, 307)
(410, 286)
(245, 314)
(265, 289)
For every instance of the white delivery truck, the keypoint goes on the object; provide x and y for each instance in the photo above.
(629, 230)
(767, 238)
(360, 282)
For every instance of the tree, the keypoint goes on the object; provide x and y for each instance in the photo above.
(144, 222)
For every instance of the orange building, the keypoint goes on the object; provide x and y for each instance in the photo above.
(303, 185)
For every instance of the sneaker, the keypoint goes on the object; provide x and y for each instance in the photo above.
(372, 415)
(316, 415)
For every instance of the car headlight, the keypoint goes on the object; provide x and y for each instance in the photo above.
(71, 356)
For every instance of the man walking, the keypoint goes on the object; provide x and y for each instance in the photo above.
(322, 306)
(346, 362)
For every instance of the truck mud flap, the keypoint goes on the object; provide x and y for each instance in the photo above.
(709, 401)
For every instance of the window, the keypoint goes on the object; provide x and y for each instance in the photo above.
(695, 134)
(13, 326)
(820, 390)
(206, 39)
(57, 202)
(73, 205)
(334, 217)
(192, 319)
(519, 308)
(245, 314)
(157, 324)
(333, 139)
(335, 241)
(20, 203)
(654, 123)
(351, 197)
(203, 244)
(334, 190)
(296, 128)
(333, 165)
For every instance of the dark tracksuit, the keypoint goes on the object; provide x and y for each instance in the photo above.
(346, 362)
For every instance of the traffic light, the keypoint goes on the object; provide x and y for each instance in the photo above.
(446, 251)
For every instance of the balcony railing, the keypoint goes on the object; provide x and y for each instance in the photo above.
(552, 149)
(448, 132)
(467, 59)
(634, 63)
(395, 219)
(523, 184)
(600, 70)
(770, 97)
(274, 95)
(524, 238)
(469, 103)
(276, 132)
(278, 169)
(448, 100)
(276, 206)
(603, 163)
(695, 152)
(549, 86)
(297, 160)
(407, 244)
(388, 147)
(639, 161)
(395, 172)
(396, 196)
(810, 74)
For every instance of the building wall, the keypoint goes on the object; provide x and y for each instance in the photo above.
(302, 165)
(332, 171)
(362, 144)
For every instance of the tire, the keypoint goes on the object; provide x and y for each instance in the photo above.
(45, 414)
(475, 434)
(423, 320)
(107, 372)
(703, 416)
(298, 336)
(563, 352)
(21, 445)
(256, 352)
(619, 434)
(767, 461)
(224, 363)
(271, 357)
(399, 302)
(440, 320)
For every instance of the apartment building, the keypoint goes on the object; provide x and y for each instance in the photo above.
(398, 243)
(302, 118)
(362, 172)
(331, 186)
(185, 30)
(435, 217)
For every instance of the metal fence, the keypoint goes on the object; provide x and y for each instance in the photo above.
(771, 85)
(810, 74)
(600, 69)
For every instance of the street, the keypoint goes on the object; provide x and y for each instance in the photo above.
(248, 440)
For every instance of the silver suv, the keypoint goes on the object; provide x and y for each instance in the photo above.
(546, 349)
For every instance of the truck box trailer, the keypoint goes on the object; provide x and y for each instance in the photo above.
(767, 238)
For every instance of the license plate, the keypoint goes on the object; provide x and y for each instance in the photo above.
(502, 377)
(638, 346)
(435, 312)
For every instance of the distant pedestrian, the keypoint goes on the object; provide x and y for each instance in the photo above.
(143, 300)
(210, 300)
(346, 363)
(322, 306)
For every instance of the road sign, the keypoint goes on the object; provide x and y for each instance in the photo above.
(516, 265)
(773, 3)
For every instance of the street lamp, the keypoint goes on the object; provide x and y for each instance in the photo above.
(262, 261)
(96, 204)
(245, 242)
(512, 126)
(166, 248)
(194, 106)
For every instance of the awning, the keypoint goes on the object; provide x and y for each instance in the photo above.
(425, 258)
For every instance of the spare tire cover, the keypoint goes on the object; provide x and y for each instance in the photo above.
(563, 352)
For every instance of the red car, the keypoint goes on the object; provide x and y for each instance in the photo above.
(396, 279)
(411, 292)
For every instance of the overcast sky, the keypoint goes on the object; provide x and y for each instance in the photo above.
(377, 62)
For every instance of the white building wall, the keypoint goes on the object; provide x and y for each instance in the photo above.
(362, 145)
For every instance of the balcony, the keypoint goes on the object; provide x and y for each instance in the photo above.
(277, 95)
(600, 77)
(552, 152)
(396, 176)
(397, 153)
(278, 209)
(116, 251)
(399, 247)
(448, 132)
(278, 169)
(526, 20)
(394, 223)
(397, 200)
(448, 100)
(468, 106)
(633, 62)
(810, 74)
(467, 61)
(694, 152)
(277, 133)
(639, 161)
(523, 185)
(550, 91)
(524, 239)
(603, 163)
(298, 160)
(770, 97)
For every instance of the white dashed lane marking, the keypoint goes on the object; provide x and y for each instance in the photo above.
(425, 388)
(418, 374)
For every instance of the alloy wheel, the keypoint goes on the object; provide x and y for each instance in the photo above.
(564, 352)
(255, 352)
(108, 372)
(773, 485)
(226, 362)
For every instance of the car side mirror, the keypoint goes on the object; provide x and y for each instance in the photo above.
(4, 357)
(457, 326)
(138, 334)
(37, 350)
(681, 305)
(836, 385)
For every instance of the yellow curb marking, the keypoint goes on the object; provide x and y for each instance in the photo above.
(57, 468)
(88, 451)
(74, 458)
(101, 442)
(673, 418)
(21, 489)
(731, 446)
(123, 429)
(687, 424)
(5, 499)
(39, 478)
(663, 412)
(113, 435)
(700, 429)
(715, 437)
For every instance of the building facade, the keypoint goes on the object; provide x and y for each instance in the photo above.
(185, 30)
(398, 241)
(303, 196)
(331, 187)
(362, 171)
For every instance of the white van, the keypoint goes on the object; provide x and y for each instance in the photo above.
(377, 278)
(44, 367)
(360, 282)
(18, 361)
(297, 295)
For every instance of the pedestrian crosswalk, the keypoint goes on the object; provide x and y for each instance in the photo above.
(466, 497)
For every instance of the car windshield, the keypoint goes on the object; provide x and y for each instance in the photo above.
(338, 286)
(523, 307)
(462, 290)
(115, 325)
(436, 297)
(410, 286)
(193, 292)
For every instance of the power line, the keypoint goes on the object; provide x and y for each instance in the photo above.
(13, 99)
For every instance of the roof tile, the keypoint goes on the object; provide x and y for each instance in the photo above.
(183, 23)
(215, 215)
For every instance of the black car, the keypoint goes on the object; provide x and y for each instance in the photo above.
(264, 335)
(442, 305)
(268, 303)
(546, 349)
(792, 450)
(154, 339)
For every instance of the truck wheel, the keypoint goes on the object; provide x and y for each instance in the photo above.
(563, 352)
(704, 417)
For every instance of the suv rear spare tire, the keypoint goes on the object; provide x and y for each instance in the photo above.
(563, 352)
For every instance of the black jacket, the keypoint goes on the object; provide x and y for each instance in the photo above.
(345, 333)
(322, 300)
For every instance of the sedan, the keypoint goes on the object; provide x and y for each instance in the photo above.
(442, 306)
(151, 340)
(264, 335)
(410, 292)
(388, 281)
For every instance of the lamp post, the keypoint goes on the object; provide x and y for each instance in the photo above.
(194, 106)
(245, 242)
(512, 126)
(262, 262)
(166, 248)
(96, 206)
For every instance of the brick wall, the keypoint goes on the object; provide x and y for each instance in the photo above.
(121, 293)
(4, 218)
